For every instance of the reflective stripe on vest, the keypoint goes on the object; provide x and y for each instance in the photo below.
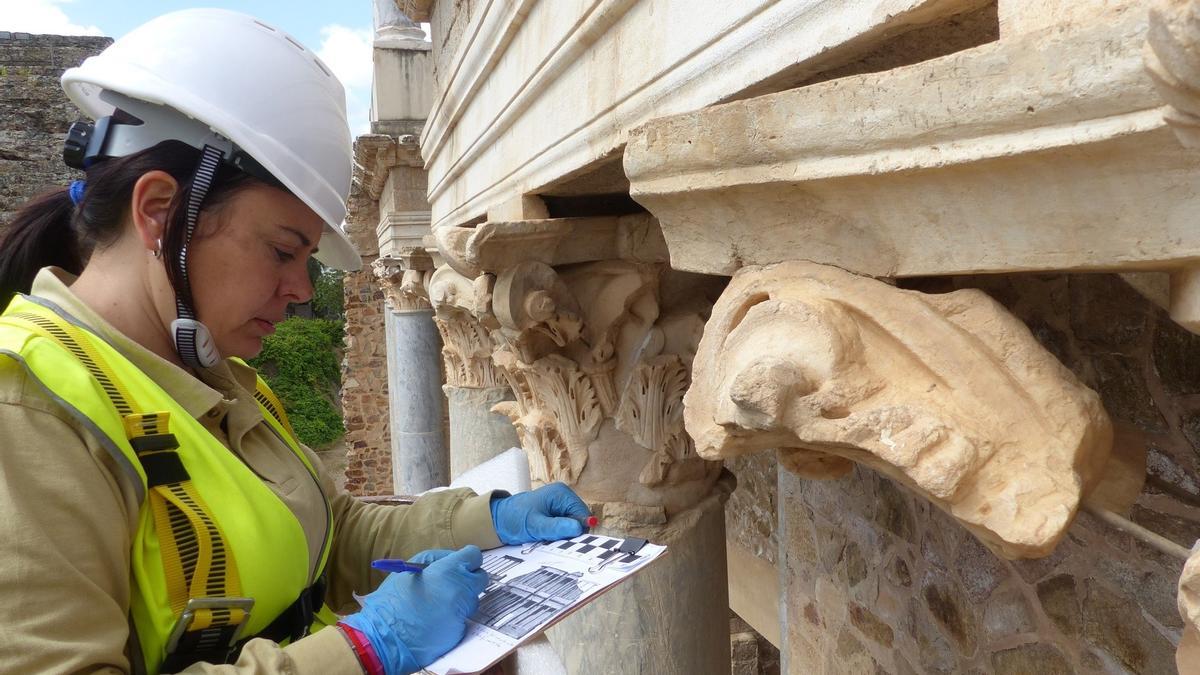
(257, 531)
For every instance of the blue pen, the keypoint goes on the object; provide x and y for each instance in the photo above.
(397, 565)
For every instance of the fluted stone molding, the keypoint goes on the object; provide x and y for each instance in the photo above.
(949, 394)
(1188, 654)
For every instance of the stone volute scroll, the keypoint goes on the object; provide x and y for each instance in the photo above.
(949, 394)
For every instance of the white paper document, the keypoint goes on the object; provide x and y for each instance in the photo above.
(532, 586)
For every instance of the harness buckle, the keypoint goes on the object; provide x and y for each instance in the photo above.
(195, 605)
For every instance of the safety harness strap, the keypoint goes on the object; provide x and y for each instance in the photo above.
(203, 587)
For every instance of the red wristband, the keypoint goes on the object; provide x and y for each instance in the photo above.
(367, 657)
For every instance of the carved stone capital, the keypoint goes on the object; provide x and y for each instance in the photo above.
(404, 288)
(466, 341)
(599, 378)
(950, 394)
(536, 311)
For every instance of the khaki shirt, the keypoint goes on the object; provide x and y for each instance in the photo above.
(68, 514)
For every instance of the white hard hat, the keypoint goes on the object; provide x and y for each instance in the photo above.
(249, 83)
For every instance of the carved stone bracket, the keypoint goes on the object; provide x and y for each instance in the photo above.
(949, 394)
(498, 246)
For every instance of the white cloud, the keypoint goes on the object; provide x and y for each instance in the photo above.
(42, 17)
(347, 52)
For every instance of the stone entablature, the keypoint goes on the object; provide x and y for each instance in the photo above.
(531, 91)
(1045, 150)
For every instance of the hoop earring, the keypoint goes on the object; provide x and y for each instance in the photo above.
(158, 251)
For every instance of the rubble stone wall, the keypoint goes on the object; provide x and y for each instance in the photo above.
(35, 114)
(364, 366)
(365, 386)
(879, 581)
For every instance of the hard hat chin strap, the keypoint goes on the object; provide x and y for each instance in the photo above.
(193, 341)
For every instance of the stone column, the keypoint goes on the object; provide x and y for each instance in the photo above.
(473, 386)
(595, 336)
(419, 458)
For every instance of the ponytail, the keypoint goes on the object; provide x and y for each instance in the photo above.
(39, 235)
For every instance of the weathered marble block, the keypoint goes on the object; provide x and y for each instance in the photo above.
(949, 394)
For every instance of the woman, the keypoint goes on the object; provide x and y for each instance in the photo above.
(159, 513)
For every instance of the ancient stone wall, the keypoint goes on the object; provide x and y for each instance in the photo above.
(448, 21)
(364, 368)
(365, 387)
(35, 114)
(880, 581)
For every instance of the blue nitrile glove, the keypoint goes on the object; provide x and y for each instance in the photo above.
(412, 619)
(548, 513)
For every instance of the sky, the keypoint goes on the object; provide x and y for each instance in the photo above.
(339, 31)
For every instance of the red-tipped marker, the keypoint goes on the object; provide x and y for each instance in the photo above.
(592, 521)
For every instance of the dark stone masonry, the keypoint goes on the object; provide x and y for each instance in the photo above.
(35, 114)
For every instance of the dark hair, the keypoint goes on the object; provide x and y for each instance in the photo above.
(51, 230)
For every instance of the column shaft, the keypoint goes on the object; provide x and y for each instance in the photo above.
(419, 459)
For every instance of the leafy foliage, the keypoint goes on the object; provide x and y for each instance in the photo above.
(328, 301)
(301, 362)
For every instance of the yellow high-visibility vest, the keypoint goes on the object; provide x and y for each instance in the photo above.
(217, 555)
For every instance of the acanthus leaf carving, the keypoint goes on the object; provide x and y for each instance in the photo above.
(557, 413)
(950, 394)
(466, 342)
(652, 413)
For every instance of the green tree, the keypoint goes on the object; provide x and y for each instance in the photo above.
(327, 301)
(301, 361)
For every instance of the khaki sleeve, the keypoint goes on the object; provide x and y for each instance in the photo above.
(64, 567)
(326, 652)
(447, 519)
(65, 561)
